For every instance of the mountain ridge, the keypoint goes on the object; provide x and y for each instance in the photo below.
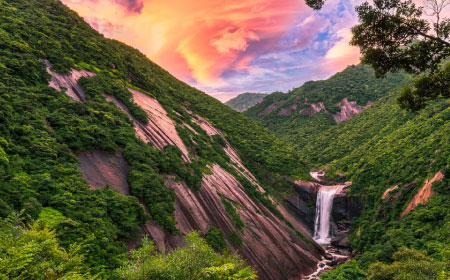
(83, 101)
(244, 101)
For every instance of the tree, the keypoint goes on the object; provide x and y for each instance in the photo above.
(34, 253)
(398, 35)
(195, 261)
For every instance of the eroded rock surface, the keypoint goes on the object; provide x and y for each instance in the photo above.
(388, 191)
(268, 243)
(100, 169)
(423, 194)
(160, 130)
(348, 110)
(70, 83)
(314, 109)
(231, 153)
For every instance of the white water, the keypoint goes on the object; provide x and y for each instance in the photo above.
(324, 204)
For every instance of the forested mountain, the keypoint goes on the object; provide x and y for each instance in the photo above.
(301, 114)
(398, 163)
(244, 101)
(111, 168)
(99, 146)
(398, 166)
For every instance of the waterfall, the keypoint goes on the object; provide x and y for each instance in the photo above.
(324, 205)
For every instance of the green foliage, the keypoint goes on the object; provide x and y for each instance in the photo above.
(382, 147)
(227, 272)
(409, 264)
(35, 254)
(216, 239)
(396, 35)
(236, 239)
(104, 84)
(230, 208)
(196, 261)
(347, 271)
(356, 83)
(42, 130)
(425, 88)
(50, 218)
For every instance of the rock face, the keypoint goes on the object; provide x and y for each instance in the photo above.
(314, 109)
(100, 169)
(269, 244)
(160, 130)
(348, 110)
(344, 209)
(423, 194)
(304, 201)
(70, 83)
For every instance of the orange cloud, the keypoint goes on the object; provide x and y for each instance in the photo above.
(196, 40)
(342, 54)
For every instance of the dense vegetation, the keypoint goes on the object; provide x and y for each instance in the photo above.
(196, 261)
(244, 101)
(356, 83)
(382, 147)
(42, 130)
(35, 253)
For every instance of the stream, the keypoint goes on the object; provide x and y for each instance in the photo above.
(322, 227)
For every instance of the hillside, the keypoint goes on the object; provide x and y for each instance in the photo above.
(398, 163)
(244, 101)
(103, 146)
(399, 166)
(301, 114)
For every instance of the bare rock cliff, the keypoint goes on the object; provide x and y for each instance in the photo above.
(269, 243)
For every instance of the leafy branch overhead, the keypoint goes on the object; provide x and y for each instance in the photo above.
(396, 35)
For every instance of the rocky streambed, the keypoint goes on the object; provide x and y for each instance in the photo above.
(328, 210)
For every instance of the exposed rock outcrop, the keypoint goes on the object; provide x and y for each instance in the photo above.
(160, 130)
(288, 110)
(269, 243)
(314, 109)
(388, 191)
(424, 193)
(70, 83)
(100, 169)
(348, 110)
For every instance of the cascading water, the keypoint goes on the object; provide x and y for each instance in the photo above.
(324, 204)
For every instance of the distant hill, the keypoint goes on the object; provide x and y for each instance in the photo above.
(244, 101)
(299, 115)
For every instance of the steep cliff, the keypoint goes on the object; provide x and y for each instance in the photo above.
(120, 148)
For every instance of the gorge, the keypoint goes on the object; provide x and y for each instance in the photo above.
(112, 168)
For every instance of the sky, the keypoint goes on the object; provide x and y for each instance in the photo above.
(227, 47)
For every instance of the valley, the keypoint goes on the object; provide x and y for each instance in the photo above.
(112, 168)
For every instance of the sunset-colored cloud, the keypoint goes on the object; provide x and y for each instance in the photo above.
(229, 46)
